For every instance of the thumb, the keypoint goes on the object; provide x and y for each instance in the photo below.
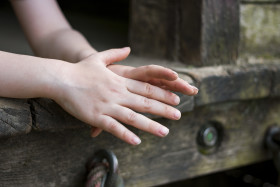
(114, 55)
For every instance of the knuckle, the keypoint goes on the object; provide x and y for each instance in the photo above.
(147, 67)
(167, 109)
(126, 135)
(131, 117)
(103, 122)
(149, 89)
(152, 66)
(150, 126)
(112, 126)
(147, 103)
(115, 90)
(169, 95)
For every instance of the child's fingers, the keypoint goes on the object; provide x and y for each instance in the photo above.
(152, 92)
(178, 85)
(114, 55)
(146, 105)
(146, 73)
(95, 131)
(121, 70)
(114, 127)
(139, 121)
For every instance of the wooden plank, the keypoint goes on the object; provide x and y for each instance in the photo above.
(220, 32)
(198, 33)
(228, 83)
(240, 84)
(50, 116)
(260, 26)
(148, 30)
(58, 159)
(188, 41)
(216, 84)
(15, 117)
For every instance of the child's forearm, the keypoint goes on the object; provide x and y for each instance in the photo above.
(66, 44)
(26, 77)
(49, 33)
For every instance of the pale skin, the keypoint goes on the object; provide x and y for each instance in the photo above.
(91, 87)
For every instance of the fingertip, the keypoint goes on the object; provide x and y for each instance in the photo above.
(195, 90)
(176, 100)
(163, 131)
(192, 90)
(114, 55)
(175, 74)
(95, 132)
(177, 115)
(135, 140)
(126, 49)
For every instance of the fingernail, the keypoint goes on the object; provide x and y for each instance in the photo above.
(126, 48)
(164, 131)
(175, 73)
(177, 100)
(177, 114)
(136, 141)
(195, 90)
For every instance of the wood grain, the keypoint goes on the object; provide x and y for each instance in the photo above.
(15, 117)
(220, 32)
(199, 33)
(50, 116)
(243, 99)
(228, 83)
(59, 158)
(260, 36)
(216, 84)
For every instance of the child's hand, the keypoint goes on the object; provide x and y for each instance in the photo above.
(155, 75)
(103, 99)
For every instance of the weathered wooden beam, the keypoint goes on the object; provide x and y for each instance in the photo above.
(216, 84)
(50, 116)
(15, 117)
(220, 32)
(148, 19)
(59, 158)
(200, 33)
(235, 91)
(260, 30)
(228, 83)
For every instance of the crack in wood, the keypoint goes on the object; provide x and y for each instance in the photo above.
(6, 121)
(42, 106)
(33, 114)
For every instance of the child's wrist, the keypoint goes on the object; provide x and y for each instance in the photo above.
(52, 86)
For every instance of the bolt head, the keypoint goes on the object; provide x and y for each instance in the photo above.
(210, 136)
